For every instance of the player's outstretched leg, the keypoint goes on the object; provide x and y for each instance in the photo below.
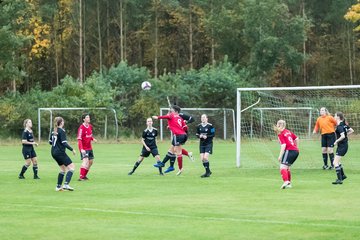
(164, 161)
(136, 165)
(189, 154)
(172, 162)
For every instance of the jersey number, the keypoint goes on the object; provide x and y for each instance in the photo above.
(54, 139)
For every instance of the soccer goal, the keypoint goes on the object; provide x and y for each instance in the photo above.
(223, 119)
(258, 110)
(99, 119)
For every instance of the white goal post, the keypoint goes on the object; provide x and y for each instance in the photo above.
(227, 118)
(50, 110)
(258, 109)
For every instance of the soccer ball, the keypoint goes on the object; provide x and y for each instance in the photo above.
(146, 85)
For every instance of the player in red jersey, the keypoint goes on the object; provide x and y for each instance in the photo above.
(85, 137)
(289, 151)
(176, 126)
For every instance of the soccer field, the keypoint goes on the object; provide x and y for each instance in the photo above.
(234, 203)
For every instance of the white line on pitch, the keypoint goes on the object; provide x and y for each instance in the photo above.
(192, 217)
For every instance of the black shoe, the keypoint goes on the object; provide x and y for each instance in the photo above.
(21, 177)
(36, 177)
(330, 167)
(207, 174)
(344, 177)
(337, 181)
(130, 173)
(86, 178)
(325, 167)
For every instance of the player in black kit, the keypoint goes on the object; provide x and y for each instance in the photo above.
(342, 131)
(28, 150)
(205, 132)
(148, 141)
(59, 144)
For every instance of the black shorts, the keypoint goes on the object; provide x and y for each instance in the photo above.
(28, 153)
(62, 159)
(88, 154)
(146, 153)
(341, 150)
(179, 140)
(328, 139)
(206, 148)
(289, 157)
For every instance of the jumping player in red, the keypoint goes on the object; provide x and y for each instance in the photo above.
(171, 156)
(289, 151)
(85, 137)
(176, 126)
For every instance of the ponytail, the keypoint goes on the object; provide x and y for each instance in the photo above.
(57, 122)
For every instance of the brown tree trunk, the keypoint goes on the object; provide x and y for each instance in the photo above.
(190, 36)
(99, 36)
(80, 44)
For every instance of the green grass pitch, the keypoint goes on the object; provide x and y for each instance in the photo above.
(234, 203)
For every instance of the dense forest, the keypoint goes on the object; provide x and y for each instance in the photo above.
(92, 53)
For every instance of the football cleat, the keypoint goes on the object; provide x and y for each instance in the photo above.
(159, 164)
(21, 177)
(59, 189)
(286, 184)
(191, 156)
(205, 175)
(337, 181)
(344, 177)
(67, 187)
(130, 173)
(179, 172)
(86, 178)
(81, 179)
(325, 167)
(169, 169)
(330, 168)
(36, 177)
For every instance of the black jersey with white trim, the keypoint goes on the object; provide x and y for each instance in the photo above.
(58, 142)
(149, 137)
(208, 130)
(28, 136)
(342, 128)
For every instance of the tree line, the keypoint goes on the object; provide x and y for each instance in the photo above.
(280, 42)
(197, 51)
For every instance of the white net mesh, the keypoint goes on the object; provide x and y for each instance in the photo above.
(262, 108)
(222, 119)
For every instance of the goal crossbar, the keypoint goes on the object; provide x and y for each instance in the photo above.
(50, 110)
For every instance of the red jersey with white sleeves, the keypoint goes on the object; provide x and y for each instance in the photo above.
(85, 137)
(175, 123)
(288, 138)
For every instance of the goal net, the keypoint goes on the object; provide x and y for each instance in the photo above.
(103, 120)
(223, 119)
(258, 110)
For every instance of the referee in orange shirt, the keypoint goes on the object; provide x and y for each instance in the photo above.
(326, 124)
